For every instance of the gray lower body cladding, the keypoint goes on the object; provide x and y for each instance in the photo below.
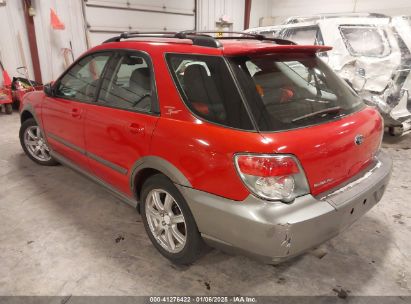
(275, 232)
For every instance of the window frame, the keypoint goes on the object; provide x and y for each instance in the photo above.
(114, 57)
(118, 55)
(58, 81)
(183, 96)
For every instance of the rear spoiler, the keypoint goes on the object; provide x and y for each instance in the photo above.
(268, 48)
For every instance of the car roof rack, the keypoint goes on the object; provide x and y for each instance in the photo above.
(201, 40)
(198, 38)
(243, 35)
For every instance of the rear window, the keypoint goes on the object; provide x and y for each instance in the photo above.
(370, 41)
(302, 35)
(287, 93)
(209, 90)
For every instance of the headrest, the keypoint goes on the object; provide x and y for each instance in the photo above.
(195, 72)
(141, 77)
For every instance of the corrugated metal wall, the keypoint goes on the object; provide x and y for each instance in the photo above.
(210, 12)
(106, 18)
(12, 27)
(170, 15)
(52, 42)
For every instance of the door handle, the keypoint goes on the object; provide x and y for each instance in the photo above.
(75, 112)
(136, 128)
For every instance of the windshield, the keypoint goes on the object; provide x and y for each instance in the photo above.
(284, 93)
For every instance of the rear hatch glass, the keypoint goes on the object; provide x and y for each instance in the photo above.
(290, 92)
(329, 129)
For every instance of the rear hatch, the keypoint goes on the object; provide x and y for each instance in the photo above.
(301, 107)
(331, 153)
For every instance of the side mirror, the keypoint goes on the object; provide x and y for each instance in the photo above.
(48, 89)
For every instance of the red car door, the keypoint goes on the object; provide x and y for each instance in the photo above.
(63, 114)
(119, 125)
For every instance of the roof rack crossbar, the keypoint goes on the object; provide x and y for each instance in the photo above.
(199, 38)
(244, 36)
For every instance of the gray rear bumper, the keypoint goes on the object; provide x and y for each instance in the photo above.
(278, 231)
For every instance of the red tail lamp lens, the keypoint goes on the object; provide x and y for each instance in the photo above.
(267, 166)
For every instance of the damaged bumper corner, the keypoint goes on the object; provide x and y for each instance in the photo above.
(275, 232)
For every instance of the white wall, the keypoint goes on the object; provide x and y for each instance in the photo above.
(11, 25)
(210, 11)
(51, 42)
(259, 9)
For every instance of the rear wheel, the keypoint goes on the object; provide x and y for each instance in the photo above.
(168, 221)
(34, 144)
(8, 108)
(395, 130)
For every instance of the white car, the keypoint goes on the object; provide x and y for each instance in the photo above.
(402, 81)
(366, 53)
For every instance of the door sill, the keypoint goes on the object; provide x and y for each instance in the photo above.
(130, 201)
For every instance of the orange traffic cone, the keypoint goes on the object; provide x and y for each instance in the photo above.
(6, 79)
(55, 21)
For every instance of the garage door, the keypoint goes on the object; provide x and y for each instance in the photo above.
(106, 18)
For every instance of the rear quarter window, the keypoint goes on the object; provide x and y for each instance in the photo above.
(364, 40)
(208, 89)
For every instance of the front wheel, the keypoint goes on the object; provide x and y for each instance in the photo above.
(34, 145)
(168, 221)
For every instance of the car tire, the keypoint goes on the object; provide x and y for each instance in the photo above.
(164, 220)
(8, 108)
(392, 131)
(34, 144)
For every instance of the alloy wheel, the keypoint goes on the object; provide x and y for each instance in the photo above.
(166, 220)
(36, 144)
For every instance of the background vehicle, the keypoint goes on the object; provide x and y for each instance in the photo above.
(401, 84)
(246, 143)
(366, 53)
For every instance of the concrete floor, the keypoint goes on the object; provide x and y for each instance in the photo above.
(60, 234)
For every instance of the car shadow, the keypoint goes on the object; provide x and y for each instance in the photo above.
(399, 142)
(79, 224)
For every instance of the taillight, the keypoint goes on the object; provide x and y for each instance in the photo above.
(272, 177)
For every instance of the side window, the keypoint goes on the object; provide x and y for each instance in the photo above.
(208, 89)
(82, 80)
(128, 84)
(269, 34)
(370, 41)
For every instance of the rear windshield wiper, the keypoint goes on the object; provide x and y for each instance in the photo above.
(324, 111)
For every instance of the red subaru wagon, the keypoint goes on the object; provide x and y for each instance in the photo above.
(244, 143)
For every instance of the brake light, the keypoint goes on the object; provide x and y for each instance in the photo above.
(266, 166)
(272, 177)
